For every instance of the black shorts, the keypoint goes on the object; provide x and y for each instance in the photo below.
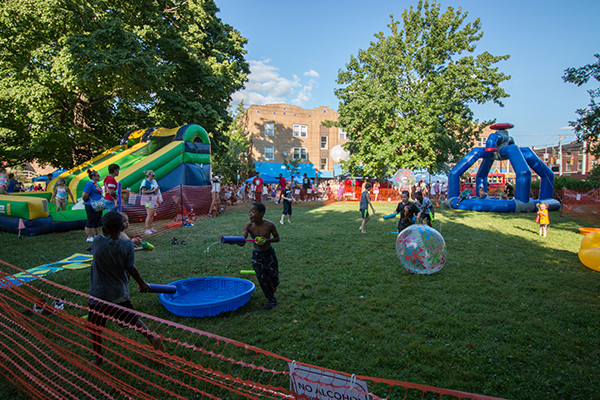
(287, 207)
(100, 311)
(364, 213)
(94, 218)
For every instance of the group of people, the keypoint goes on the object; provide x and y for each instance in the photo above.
(8, 184)
(96, 200)
(420, 211)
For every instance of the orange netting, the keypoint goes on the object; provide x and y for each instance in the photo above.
(582, 205)
(46, 350)
(172, 208)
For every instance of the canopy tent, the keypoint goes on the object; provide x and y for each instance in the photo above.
(267, 180)
(427, 177)
(324, 174)
(274, 169)
(44, 178)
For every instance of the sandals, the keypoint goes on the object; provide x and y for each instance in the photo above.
(175, 241)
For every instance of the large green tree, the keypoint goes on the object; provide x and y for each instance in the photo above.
(75, 76)
(405, 101)
(587, 126)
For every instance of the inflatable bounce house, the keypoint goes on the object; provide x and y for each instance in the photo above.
(179, 156)
(500, 146)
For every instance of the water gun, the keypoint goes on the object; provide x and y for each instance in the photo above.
(147, 246)
(389, 216)
(240, 240)
(154, 288)
(248, 272)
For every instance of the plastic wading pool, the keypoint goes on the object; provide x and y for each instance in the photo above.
(207, 296)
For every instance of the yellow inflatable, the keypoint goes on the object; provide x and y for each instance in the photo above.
(589, 252)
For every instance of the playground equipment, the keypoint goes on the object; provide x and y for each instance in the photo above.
(421, 249)
(500, 146)
(179, 156)
(207, 296)
(589, 251)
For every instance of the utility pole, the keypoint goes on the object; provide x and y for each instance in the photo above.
(560, 138)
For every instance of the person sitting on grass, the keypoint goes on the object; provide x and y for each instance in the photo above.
(112, 265)
(264, 260)
(137, 241)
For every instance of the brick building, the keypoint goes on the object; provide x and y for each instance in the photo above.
(283, 130)
(574, 160)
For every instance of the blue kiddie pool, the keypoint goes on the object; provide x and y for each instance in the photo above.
(207, 296)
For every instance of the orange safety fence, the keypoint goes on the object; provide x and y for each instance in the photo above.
(46, 351)
(582, 205)
(171, 208)
(384, 195)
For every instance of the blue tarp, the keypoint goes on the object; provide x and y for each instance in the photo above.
(44, 178)
(267, 180)
(337, 170)
(274, 169)
(324, 174)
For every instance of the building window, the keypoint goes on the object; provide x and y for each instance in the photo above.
(269, 152)
(481, 141)
(300, 130)
(323, 163)
(300, 153)
(568, 166)
(546, 156)
(580, 165)
(324, 140)
(269, 128)
(342, 134)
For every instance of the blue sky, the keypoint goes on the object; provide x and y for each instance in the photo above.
(295, 50)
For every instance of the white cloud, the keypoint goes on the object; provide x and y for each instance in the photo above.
(566, 128)
(266, 86)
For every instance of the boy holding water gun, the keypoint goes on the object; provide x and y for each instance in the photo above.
(426, 207)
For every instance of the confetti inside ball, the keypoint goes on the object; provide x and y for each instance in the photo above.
(421, 249)
(403, 179)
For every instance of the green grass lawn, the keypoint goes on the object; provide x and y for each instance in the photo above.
(511, 315)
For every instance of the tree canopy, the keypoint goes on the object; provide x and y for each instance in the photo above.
(76, 76)
(404, 102)
(587, 126)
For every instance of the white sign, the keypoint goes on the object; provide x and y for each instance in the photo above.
(2, 209)
(578, 197)
(313, 383)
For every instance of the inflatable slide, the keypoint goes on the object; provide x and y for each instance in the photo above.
(179, 156)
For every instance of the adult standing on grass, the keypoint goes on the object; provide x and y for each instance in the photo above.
(282, 185)
(305, 187)
(92, 195)
(258, 187)
(110, 187)
(149, 186)
(264, 260)
(12, 182)
(288, 198)
(365, 202)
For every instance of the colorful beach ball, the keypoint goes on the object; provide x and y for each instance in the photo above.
(403, 179)
(421, 249)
